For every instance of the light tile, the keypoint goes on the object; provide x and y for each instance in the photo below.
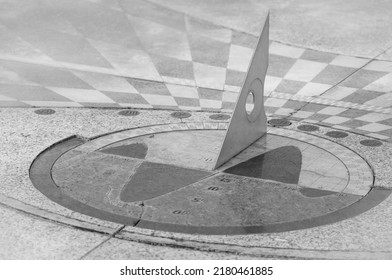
(330, 184)
(209, 76)
(339, 92)
(341, 127)
(9, 77)
(159, 99)
(232, 88)
(207, 103)
(349, 61)
(179, 81)
(45, 75)
(182, 91)
(331, 111)
(209, 51)
(284, 50)
(230, 96)
(274, 102)
(374, 127)
(161, 39)
(379, 136)
(305, 70)
(13, 45)
(105, 82)
(383, 84)
(53, 104)
(374, 117)
(284, 111)
(302, 114)
(6, 98)
(82, 95)
(307, 178)
(336, 120)
(313, 89)
(137, 105)
(271, 83)
(379, 65)
(384, 100)
(218, 33)
(128, 62)
(239, 58)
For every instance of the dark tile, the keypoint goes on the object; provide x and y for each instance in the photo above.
(228, 105)
(311, 107)
(353, 113)
(172, 67)
(45, 75)
(125, 97)
(333, 75)
(318, 117)
(387, 132)
(318, 56)
(207, 51)
(278, 66)
(155, 12)
(359, 131)
(386, 122)
(244, 39)
(361, 96)
(13, 104)
(66, 47)
(270, 110)
(362, 78)
(97, 22)
(181, 101)
(100, 105)
(205, 93)
(353, 123)
(149, 87)
(291, 104)
(30, 93)
(165, 107)
(289, 86)
(234, 78)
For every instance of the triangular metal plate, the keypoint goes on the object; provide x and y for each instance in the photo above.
(245, 128)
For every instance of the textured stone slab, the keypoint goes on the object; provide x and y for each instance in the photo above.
(227, 200)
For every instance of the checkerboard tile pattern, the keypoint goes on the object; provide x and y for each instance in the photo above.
(121, 54)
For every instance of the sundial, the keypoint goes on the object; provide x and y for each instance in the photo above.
(213, 177)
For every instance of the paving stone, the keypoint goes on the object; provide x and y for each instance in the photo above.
(47, 240)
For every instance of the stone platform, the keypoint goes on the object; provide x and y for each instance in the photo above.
(94, 107)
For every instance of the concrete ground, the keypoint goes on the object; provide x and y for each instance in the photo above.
(330, 66)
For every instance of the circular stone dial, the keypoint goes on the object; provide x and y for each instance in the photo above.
(161, 177)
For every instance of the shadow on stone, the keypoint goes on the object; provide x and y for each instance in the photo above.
(308, 192)
(282, 164)
(136, 150)
(155, 179)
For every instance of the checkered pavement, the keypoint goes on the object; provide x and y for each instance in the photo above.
(121, 54)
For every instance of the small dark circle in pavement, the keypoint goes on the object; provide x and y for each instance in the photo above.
(129, 113)
(219, 117)
(371, 143)
(44, 111)
(180, 115)
(336, 134)
(308, 127)
(279, 122)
